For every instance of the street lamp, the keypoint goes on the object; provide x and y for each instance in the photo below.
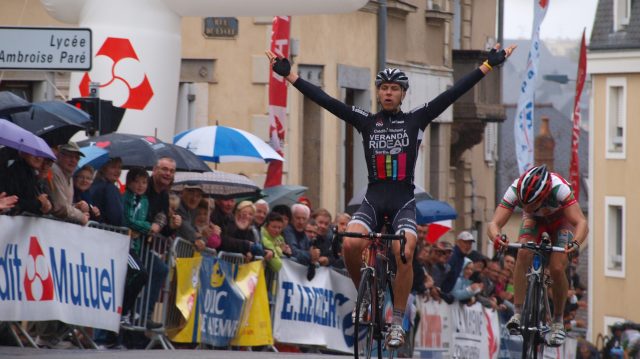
(561, 79)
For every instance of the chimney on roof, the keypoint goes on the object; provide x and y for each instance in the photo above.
(544, 145)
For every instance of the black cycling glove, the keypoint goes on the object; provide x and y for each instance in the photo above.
(496, 57)
(282, 66)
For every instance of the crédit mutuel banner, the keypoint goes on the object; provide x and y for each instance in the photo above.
(51, 270)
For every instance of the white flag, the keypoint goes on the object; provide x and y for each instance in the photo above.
(523, 124)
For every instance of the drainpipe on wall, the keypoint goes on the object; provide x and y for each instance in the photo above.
(382, 34)
(498, 191)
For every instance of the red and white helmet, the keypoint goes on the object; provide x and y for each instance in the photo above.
(534, 184)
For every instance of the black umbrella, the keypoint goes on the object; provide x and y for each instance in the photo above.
(55, 121)
(11, 103)
(283, 194)
(144, 151)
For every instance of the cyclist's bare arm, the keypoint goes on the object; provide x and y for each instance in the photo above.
(576, 218)
(500, 218)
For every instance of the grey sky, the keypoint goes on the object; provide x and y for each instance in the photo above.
(565, 19)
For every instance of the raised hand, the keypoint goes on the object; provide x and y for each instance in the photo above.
(498, 56)
(280, 65)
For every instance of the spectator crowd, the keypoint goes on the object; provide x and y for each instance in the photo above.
(147, 206)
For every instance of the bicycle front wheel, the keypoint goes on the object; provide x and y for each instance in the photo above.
(365, 334)
(531, 320)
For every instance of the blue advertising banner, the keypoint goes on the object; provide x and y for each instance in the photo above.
(220, 302)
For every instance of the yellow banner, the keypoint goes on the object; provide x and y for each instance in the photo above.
(255, 327)
(187, 270)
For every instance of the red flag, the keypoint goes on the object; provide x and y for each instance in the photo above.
(437, 230)
(278, 99)
(574, 167)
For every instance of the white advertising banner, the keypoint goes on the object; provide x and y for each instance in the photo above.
(456, 331)
(475, 332)
(316, 312)
(434, 331)
(51, 270)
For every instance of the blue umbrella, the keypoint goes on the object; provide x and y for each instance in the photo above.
(430, 210)
(226, 144)
(94, 156)
(144, 151)
(16, 137)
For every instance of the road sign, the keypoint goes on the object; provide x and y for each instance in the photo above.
(45, 48)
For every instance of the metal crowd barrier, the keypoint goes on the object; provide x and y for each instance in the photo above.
(155, 252)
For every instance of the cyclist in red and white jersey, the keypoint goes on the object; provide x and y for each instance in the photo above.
(548, 205)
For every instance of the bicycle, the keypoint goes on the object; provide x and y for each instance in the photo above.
(374, 284)
(536, 314)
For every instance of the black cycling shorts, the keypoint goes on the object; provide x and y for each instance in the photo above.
(392, 199)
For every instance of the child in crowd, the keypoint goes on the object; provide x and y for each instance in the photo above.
(210, 232)
(465, 290)
(136, 207)
(272, 239)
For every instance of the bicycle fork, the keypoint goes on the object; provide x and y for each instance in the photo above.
(536, 275)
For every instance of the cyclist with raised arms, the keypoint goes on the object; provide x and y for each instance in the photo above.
(548, 205)
(391, 139)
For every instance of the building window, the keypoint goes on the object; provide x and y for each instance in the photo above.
(621, 14)
(614, 233)
(616, 117)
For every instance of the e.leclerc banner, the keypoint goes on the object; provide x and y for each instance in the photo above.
(278, 99)
(316, 312)
(52, 270)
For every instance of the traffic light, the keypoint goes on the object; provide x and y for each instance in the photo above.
(106, 117)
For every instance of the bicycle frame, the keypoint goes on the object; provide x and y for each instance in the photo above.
(535, 320)
(375, 279)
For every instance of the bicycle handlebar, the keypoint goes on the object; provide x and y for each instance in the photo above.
(373, 236)
(537, 247)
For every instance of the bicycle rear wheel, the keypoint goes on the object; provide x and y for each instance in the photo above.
(365, 330)
(531, 345)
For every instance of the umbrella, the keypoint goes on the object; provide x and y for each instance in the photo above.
(217, 184)
(225, 144)
(144, 151)
(10, 103)
(16, 137)
(430, 210)
(284, 194)
(56, 122)
(94, 156)
(355, 202)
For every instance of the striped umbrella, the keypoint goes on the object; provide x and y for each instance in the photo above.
(226, 144)
(217, 184)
